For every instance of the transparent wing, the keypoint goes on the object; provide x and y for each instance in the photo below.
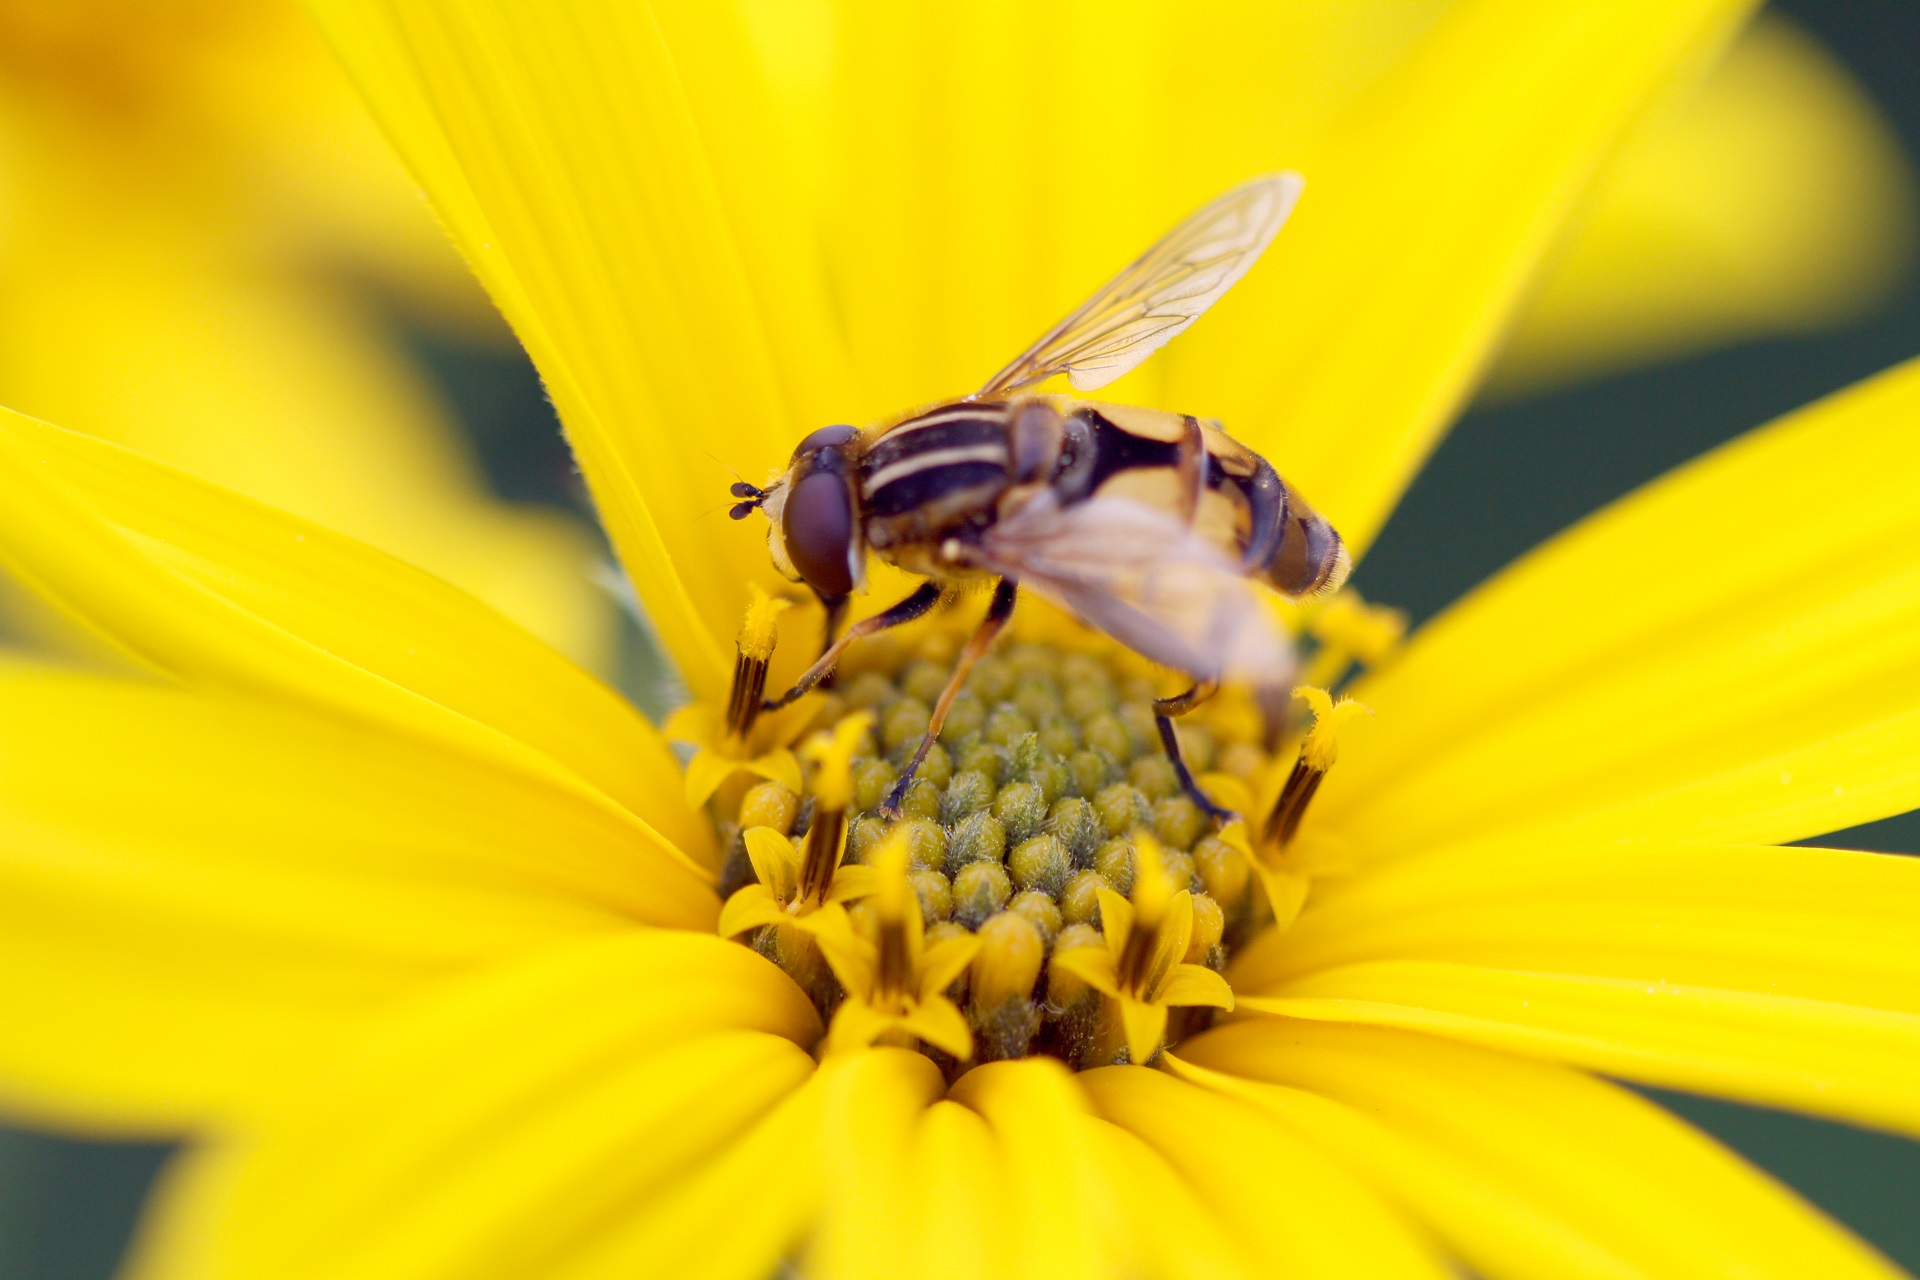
(1145, 579)
(1161, 293)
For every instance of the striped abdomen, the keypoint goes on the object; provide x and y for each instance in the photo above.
(1242, 503)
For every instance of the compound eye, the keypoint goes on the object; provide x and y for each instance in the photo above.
(825, 438)
(818, 523)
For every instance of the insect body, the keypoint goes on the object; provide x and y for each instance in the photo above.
(1150, 525)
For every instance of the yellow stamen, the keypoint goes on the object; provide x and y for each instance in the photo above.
(759, 629)
(1322, 745)
(753, 652)
(832, 756)
(1317, 754)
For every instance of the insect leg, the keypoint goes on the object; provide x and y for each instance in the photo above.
(998, 611)
(924, 598)
(836, 609)
(1164, 709)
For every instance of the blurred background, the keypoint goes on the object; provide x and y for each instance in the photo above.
(199, 228)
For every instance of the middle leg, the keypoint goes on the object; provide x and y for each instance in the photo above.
(906, 611)
(1164, 709)
(998, 611)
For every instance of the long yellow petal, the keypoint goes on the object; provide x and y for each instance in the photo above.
(1846, 1061)
(1297, 1212)
(1064, 1209)
(501, 1124)
(1527, 1169)
(1174, 1232)
(1346, 354)
(1690, 239)
(1728, 654)
(198, 894)
(658, 281)
(1823, 924)
(696, 1228)
(956, 1197)
(222, 592)
(874, 1101)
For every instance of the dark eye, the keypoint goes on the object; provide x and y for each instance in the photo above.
(818, 523)
(825, 437)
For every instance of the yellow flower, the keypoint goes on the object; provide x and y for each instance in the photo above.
(412, 923)
(1142, 968)
(192, 193)
(791, 885)
(895, 983)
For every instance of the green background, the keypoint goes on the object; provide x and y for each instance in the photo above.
(1506, 477)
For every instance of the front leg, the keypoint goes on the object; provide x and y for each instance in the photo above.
(998, 611)
(1164, 709)
(924, 598)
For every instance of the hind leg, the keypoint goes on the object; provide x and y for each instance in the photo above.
(1164, 709)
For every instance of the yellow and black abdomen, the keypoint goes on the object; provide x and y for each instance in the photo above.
(1235, 497)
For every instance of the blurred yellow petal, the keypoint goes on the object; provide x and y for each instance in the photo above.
(251, 878)
(1063, 1205)
(1344, 357)
(219, 329)
(726, 1220)
(222, 592)
(1772, 199)
(1581, 1178)
(1732, 653)
(1824, 924)
(1840, 1060)
(1170, 1221)
(874, 1099)
(1300, 1214)
(956, 1193)
(662, 292)
(503, 1123)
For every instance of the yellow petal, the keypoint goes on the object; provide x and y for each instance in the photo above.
(955, 1195)
(212, 331)
(873, 1103)
(705, 772)
(1063, 1205)
(1579, 1177)
(198, 893)
(749, 907)
(1116, 920)
(1845, 1061)
(857, 1025)
(1193, 984)
(660, 283)
(1692, 663)
(1296, 1211)
(1427, 209)
(504, 1122)
(1092, 965)
(1171, 1225)
(1824, 924)
(853, 881)
(1145, 1026)
(776, 863)
(696, 1228)
(944, 961)
(221, 592)
(939, 1022)
(1689, 238)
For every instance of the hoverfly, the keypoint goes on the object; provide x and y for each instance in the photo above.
(1149, 525)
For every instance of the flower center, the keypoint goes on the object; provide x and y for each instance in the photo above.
(1046, 821)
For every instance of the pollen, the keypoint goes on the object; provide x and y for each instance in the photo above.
(1047, 887)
